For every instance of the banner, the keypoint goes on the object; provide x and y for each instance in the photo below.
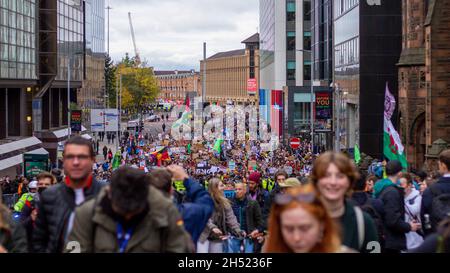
(323, 106)
(276, 112)
(252, 86)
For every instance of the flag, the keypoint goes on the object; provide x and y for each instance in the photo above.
(116, 160)
(357, 155)
(189, 148)
(393, 148)
(217, 145)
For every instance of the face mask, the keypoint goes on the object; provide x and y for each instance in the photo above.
(40, 190)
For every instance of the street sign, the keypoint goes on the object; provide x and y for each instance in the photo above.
(295, 143)
(104, 120)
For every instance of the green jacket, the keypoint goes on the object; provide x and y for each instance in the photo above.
(160, 231)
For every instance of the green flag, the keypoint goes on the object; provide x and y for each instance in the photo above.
(217, 145)
(357, 154)
(189, 148)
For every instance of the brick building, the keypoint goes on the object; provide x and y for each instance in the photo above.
(177, 85)
(424, 79)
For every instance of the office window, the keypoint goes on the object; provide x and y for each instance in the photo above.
(290, 8)
(307, 70)
(307, 10)
(290, 40)
(291, 65)
(307, 40)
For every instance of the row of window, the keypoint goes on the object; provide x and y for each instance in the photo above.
(19, 21)
(24, 7)
(17, 54)
(347, 53)
(290, 40)
(290, 10)
(291, 71)
(14, 70)
(17, 37)
(342, 6)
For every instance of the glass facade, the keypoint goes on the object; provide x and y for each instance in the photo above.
(18, 56)
(70, 39)
(267, 32)
(322, 39)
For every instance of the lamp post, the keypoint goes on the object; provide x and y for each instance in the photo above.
(312, 98)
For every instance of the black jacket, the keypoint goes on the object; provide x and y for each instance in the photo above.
(442, 185)
(56, 205)
(252, 212)
(395, 227)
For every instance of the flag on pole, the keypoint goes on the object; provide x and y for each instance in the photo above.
(393, 147)
(357, 154)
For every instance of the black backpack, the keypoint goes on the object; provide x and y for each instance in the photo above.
(440, 207)
(377, 219)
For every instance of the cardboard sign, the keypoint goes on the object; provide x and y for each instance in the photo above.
(252, 165)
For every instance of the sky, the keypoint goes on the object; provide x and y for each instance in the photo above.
(170, 33)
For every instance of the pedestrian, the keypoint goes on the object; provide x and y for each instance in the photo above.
(435, 204)
(333, 175)
(258, 194)
(393, 198)
(413, 201)
(200, 207)
(110, 156)
(113, 136)
(13, 238)
(247, 212)
(105, 152)
(108, 136)
(129, 216)
(300, 223)
(438, 242)
(57, 204)
(29, 212)
(222, 223)
(164, 127)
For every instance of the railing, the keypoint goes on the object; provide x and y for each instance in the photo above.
(10, 200)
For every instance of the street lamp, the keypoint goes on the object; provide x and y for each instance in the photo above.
(69, 111)
(312, 98)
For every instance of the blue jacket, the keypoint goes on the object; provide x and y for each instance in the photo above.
(197, 211)
(443, 184)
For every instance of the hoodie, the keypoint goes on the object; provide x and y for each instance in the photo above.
(412, 212)
(381, 185)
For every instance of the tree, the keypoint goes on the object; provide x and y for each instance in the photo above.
(110, 79)
(139, 85)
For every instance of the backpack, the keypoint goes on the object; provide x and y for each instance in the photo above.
(377, 219)
(440, 207)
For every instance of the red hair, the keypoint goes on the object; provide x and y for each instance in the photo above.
(330, 243)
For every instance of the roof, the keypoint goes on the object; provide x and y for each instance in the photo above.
(412, 56)
(238, 52)
(252, 39)
(172, 72)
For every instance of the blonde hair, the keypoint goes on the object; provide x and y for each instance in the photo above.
(220, 201)
(4, 215)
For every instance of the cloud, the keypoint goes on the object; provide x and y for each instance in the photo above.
(170, 33)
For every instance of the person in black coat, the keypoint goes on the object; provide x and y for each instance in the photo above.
(442, 186)
(57, 203)
(392, 195)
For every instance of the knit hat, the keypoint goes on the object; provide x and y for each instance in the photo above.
(255, 177)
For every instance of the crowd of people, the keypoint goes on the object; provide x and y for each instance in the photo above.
(161, 195)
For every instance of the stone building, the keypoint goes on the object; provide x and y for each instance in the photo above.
(424, 78)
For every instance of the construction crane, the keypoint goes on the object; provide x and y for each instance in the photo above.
(136, 52)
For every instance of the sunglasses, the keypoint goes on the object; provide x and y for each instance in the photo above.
(284, 199)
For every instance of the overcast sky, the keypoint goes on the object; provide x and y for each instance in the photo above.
(170, 33)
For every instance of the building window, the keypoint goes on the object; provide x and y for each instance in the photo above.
(307, 40)
(290, 43)
(307, 70)
(290, 7)
(291, 70)
(422, 79)
(307, 10)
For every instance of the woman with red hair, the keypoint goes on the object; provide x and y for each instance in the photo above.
(300, 223)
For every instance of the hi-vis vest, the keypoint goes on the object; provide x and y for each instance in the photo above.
(268, 184)
(18, 207)
(206, 184)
